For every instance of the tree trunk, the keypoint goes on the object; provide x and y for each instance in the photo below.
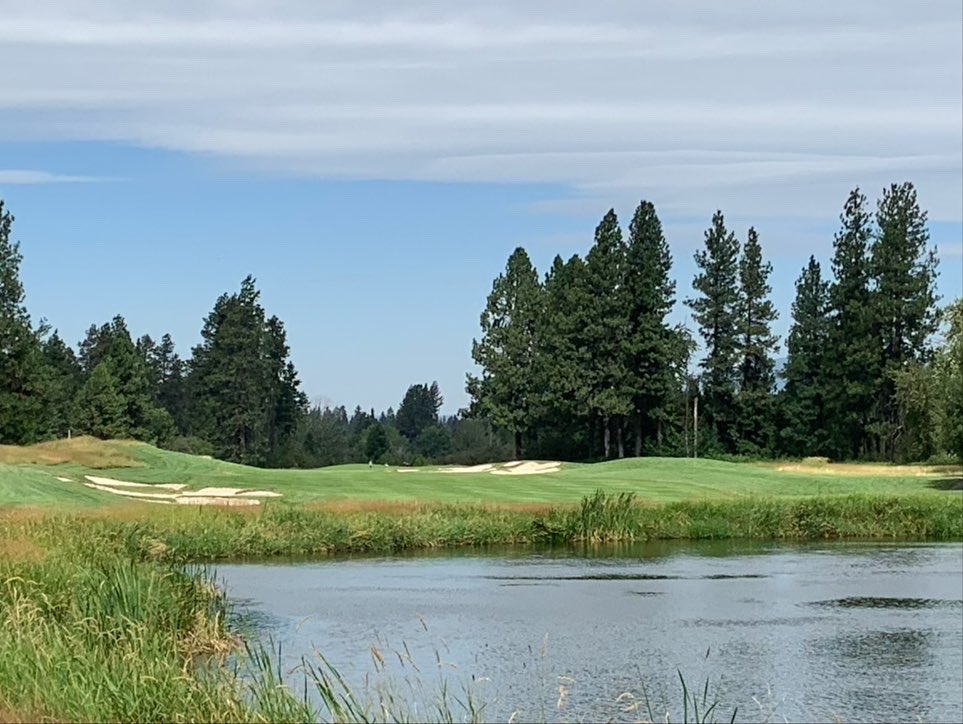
(618, 437)
(638, 434)
(606, 435)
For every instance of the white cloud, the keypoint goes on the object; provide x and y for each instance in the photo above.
(764, 108)
(14, 177)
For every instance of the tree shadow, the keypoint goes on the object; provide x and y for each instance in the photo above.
(951, 483)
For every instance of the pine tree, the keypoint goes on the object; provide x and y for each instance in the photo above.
(652, 345)
(853, 374)
(231, 379)
(506, 392)
(949, 375)
(607, 331)
(756, 347)
(903, 302)
(22, 371)
(65, 378)
(716, 311)
(418, 410)
(172, 388)
(563, 362)
(289, 402)
(803, 403)
(375, 442)
(100, 409)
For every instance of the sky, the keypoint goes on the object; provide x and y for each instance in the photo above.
(374, 164)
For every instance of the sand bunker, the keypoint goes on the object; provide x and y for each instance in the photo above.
(529, 468)
(64, 480)
(177, 493)
(467, 469)
(516, 467)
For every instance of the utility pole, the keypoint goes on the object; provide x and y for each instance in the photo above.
(695, 427)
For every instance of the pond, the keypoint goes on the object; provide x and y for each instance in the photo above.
(854, 631)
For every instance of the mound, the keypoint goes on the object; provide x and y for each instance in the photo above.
(88, 452)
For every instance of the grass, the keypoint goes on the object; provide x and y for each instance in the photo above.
(29, 478)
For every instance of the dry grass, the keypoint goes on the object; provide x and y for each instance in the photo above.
(819, 465)
(88, 452)
(400, 508)
(20, 550)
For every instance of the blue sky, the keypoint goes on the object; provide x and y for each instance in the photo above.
(374, 168)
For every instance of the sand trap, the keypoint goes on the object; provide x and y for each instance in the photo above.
(64, 480)
(406, 470)
(178, 494)
(132, 493)
(125, 484)
(208, 500)
(529, 468)
(467, 469)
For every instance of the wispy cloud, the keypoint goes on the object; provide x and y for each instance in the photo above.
(758, 106)
(25, 177)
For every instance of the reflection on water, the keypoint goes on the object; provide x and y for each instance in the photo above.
(860, 632)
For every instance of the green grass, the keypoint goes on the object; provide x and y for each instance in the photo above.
(656, 480)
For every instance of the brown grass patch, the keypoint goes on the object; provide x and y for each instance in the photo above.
(20, 550)
(88, 452)
(409, 507)
(861, 469)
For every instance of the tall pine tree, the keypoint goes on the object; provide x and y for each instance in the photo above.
(757, 344)
(853, 374)
(904, 300)
(607, 333)
(716, 311)
(22, 370)
(803, 405)
(652, 345)
(506, 391)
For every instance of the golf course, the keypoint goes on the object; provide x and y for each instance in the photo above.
(56, 474)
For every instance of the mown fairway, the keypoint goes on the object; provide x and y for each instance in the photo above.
(651, 479)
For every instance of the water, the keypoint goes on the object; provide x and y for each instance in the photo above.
(858, 632)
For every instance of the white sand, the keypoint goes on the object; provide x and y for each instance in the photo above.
(216, 492)
(131, 493)
(467, 469)
(513, 464)
(530, 468)
(406, 470)
(64, 480)
(258, 494)
(125, 484)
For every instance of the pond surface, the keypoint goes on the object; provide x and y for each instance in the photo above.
(854, 631)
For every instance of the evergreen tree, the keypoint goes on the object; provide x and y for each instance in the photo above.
(949, 375)
(65, 379)
(433, 442)
(607, 333)
(803, 397)
(100, 409)
(289, 402)
(716, 311)
(903, 302)
(756, 347)
(563, 360)
(853, 374)
(238, 382)
(375, 442)
(172, 392)
(653, 346)
(22, 372)
(506, 392)
(418, 410)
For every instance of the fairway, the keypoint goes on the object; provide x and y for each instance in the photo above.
(656, 480)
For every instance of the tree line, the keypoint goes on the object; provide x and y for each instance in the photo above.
(237, 396)
(583, 363)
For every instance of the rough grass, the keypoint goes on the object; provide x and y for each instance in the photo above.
(84, 451)
(656, 480)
